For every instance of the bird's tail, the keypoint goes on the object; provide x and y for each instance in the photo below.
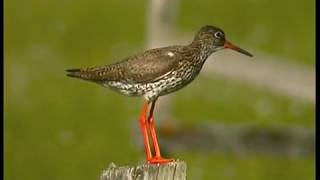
(75, 73)
(85, 74)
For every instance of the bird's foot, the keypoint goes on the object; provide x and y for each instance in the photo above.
(159, 160)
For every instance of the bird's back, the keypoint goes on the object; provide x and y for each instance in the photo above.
(141, 68)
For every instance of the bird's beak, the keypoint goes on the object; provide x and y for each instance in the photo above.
(229, 45)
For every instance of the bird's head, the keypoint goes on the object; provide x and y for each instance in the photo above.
(214, 39)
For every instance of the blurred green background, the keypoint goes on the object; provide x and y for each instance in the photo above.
(60, 128)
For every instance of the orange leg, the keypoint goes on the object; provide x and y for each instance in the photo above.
(157, 159)
(143, 125)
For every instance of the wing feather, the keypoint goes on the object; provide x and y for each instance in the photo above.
(142, 68)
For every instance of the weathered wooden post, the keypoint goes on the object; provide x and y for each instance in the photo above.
(173, 171)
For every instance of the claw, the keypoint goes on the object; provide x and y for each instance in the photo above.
(159, 160)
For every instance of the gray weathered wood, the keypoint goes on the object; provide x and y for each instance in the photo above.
(173, 171)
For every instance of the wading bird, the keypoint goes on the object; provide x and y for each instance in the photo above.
(157, 72)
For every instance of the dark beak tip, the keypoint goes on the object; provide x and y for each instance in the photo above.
(235, 48)
(250, 55)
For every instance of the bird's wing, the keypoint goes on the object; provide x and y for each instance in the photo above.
(142, 68)
(152, 65)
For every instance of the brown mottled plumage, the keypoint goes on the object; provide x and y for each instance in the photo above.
(141, 68)
(157, 72)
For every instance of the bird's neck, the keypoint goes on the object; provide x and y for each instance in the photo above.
(203, 49)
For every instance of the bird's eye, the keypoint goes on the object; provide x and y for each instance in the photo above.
(218, 34)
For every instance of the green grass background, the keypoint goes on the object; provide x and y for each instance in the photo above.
(61, 128)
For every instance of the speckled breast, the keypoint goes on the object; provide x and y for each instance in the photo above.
(171, 82)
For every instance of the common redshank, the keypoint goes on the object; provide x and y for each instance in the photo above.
(155, 73)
